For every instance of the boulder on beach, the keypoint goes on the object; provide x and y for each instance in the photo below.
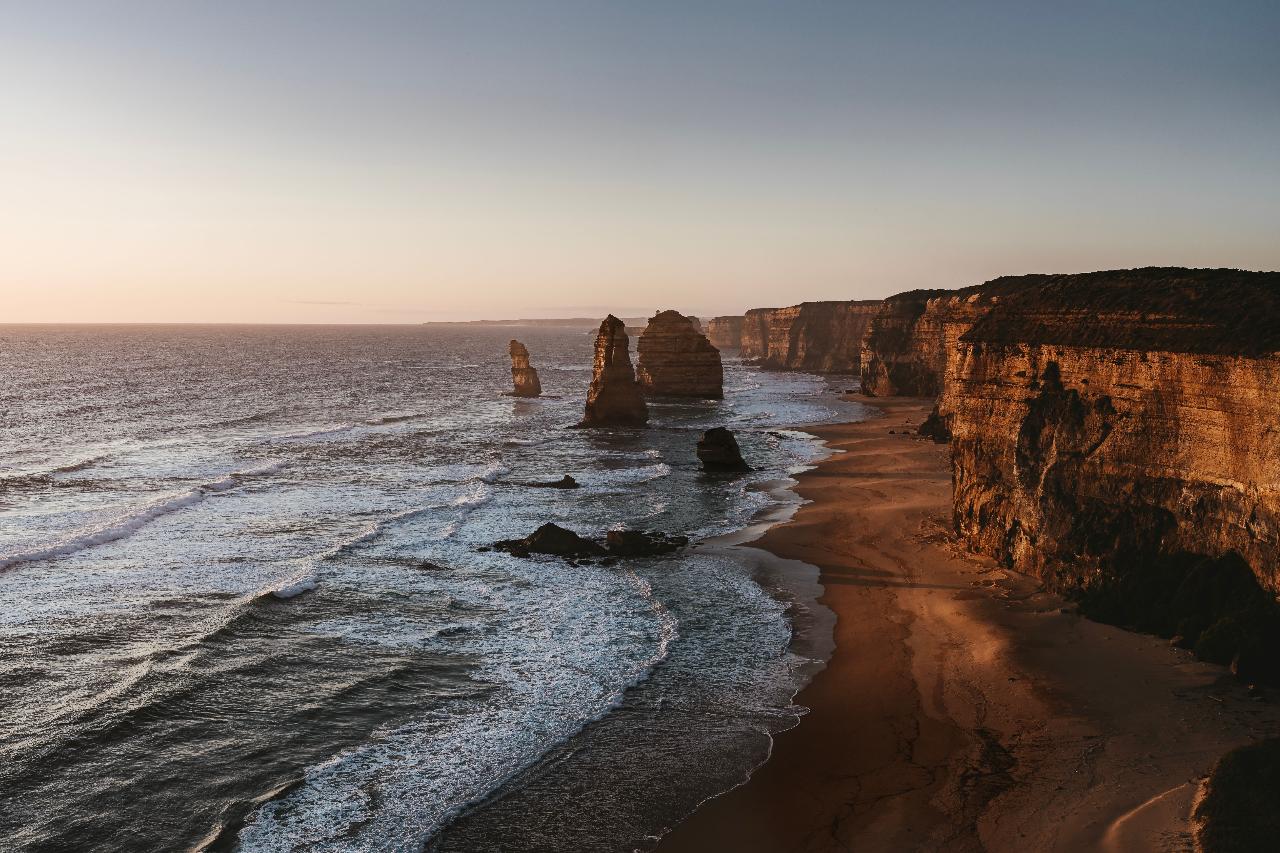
(614, 398)
(554, 540)
(523, 377)
(718, 451)
(677, 360)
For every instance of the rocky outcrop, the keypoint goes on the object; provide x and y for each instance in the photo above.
(554, 540)
(818, 337)
(677, 360)
(641, 543)
(1117, 434)
(725, 332)
(565, 482)
(718, 451)
(614, 398)
(523, 377)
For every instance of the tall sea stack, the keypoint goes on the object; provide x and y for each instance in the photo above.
(614, 398)
(523, 377)
(677, 360)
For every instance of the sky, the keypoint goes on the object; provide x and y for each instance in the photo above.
(399, 162)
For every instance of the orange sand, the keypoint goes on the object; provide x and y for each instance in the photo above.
(962, 709)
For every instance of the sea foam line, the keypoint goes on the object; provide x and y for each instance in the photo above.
(130, 522)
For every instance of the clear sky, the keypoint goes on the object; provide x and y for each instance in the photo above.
(398, 162)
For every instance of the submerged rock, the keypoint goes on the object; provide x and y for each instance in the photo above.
(677, 360)
(640, 543)
(565, 482)
(554, 540)
(558, 541)
(718, 451)
(614, 398)
(523, 377)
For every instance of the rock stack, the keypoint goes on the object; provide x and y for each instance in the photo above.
(523, 377)
(718, 451)
(677, 360)
(614, 398)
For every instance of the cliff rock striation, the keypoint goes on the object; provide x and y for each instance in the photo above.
(614, 398)
(1117, 434)
(677, 360)
(523, 377)
(818, 337)
(725, 332)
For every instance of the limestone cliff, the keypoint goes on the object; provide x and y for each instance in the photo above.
(754, 337)
(523, 377)
(907, 344)
(819, 337)
(614, 397)
(725, 332)
(1118, 434)
(676, 359)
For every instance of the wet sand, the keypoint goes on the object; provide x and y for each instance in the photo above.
(962, 708)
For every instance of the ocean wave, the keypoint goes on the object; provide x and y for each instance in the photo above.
(19, 479)
(394, 419)
(492, 473)
(128, 523)
(412, 781)
(327, 432)
(295, 585)
(633, 476)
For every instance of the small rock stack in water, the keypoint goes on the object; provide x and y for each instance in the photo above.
(614, 397)
(718, 451)
(677, 360)
(523, 377)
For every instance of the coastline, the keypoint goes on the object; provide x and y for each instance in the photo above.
(963, 708)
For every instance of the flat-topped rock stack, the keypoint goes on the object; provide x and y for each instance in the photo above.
(614, 398)
(677, 360)
(524, 378)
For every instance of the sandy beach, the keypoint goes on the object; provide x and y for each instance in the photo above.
(963, 708)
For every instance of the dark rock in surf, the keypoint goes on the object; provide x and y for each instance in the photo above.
(640, 543)
(718, 451)
(554, 540)
(565, 482)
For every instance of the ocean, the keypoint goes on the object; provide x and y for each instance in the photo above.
(243, 605)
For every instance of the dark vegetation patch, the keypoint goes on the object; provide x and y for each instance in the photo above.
(1238, 813)
(1170, 309)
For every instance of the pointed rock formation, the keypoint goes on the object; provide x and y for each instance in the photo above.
(614, 398)
(677, 360)
(523, 377)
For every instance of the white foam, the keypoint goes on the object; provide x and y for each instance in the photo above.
(129, 522)
(494, 472)
(296, 585)
(327, 432)
(560, 669)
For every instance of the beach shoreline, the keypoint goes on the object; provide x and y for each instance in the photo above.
(963, 708)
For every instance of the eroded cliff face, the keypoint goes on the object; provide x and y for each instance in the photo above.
(725, 332)
(677, 360)
(1118, 435)
(819, 337)
(754, 338)
(908, 342)
(614, 398)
